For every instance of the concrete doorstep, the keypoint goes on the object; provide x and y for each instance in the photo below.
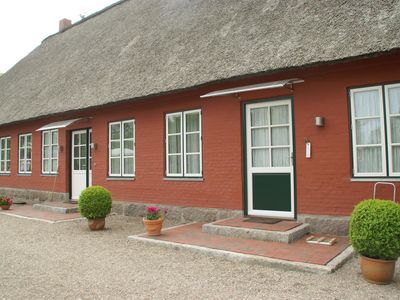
(61, 208)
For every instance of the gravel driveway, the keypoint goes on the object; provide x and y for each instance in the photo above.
(66, 261)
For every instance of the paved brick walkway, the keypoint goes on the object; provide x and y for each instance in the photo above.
(27, 211)
(298, 251)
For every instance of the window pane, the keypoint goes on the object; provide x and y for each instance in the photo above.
(54, 150)
(259, 116)
(29, 140)
(128, 148)
(22, 153)
(279, 115)
(193, 164)
(46, 138)
(395, 129)
(2, 154)
(8, 143)
(22, 166)
(54, 165)
(280, 157)
(192, 122)
(46, 151)
(76, 151)
(83, 164)
(193, 142)
(8, 153)
(115, 132)
(28, 165)
(368, 131)
(174, 163)
(260, 157)
(174, 124)
(174, 144)
(366, 103)
(128, 130)
(29, 153)
(8, 166)
(128, 166)
(54, 137)
(280, 136)
(83, 151)
(115, 149)
(260, 137)
(22, 141)
(369, 159)
(83, 138)
(394, 99)
(46, 166)
(76, 139)
(3, 143)
(115, 166)
(396, 159)
(76, 164)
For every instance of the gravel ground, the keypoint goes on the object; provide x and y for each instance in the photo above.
(67, 261)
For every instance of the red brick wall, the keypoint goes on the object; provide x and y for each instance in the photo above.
(323, 182)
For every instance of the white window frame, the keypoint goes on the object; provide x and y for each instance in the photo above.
(122, 156)
(184, 153)
(7, 140)
(389, 129)
(51, 157)
(25, 147)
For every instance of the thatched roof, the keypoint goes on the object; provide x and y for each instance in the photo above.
(139, 48)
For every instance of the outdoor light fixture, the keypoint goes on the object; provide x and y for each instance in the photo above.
(319, 121)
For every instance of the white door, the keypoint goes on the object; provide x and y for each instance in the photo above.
(269, 145)
(81, 173)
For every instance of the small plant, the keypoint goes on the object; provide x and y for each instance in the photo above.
(375, 229)
(6, 201)
(155, 213)
(95, 202)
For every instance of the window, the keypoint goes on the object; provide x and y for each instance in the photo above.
(121, 149)
(5, 152)
(25, 154)
(375, 114)
(50, 151)
(183, 144)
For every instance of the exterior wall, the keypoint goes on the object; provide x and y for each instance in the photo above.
(323, 182)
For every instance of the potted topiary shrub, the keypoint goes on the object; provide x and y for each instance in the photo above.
(5, 203)
(153, 220)
(95, 204)
(375, 235)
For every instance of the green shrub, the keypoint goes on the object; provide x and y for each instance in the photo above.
(375, 229)
(95, 202)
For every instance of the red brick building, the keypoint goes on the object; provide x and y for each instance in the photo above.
(187, 104)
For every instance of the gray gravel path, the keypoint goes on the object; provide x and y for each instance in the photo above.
(67, 261)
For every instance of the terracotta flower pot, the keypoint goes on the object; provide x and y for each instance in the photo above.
(96, 224)
(377, 271)
(5, 207)
(153, 227)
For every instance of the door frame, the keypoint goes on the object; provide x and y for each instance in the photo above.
(244, 149)
(71, 153)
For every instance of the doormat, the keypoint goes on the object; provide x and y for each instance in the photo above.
(262, 220)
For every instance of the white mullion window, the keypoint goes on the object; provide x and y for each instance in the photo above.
(122, 148)
(5, 155)
(369, 144)
(174, 144)
(50, 151)
(184, 144)
(192, 142)
(392, 103)
(25, 154)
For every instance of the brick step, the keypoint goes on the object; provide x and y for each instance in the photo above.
(286, 232)
(57, 207)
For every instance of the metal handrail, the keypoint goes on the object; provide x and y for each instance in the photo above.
(385, 183)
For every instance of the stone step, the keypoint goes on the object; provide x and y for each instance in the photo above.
(57, 207)
(236, 230)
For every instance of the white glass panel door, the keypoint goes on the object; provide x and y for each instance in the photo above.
(270, 182)
(79, 168)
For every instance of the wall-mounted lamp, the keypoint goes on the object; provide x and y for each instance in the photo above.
(93, 146)
(319, 121)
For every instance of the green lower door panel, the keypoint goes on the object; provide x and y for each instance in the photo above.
(272, 192)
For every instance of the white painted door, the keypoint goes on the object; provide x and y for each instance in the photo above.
(270, 174)
(81, 173)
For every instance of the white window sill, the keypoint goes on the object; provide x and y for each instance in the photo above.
(120, 178)
(49, 175)
(24, 174)
(374, 179)
(5, 174)
(183, 179)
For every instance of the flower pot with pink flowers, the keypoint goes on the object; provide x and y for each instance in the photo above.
(153, 220)
(5, 203)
